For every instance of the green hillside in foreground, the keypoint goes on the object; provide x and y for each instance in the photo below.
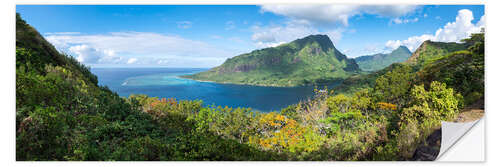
(379, 61)
(63, 114)
(307, 61)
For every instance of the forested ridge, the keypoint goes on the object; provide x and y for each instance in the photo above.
(63, 114)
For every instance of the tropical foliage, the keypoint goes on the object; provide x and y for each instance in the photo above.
(63, 114)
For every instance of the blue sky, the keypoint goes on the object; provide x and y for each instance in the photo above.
(205, 36)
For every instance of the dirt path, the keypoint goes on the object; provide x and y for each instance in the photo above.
(472, 112)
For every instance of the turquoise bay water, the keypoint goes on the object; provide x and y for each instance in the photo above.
(164, 82)
(158, 79)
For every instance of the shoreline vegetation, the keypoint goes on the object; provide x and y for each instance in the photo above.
(262, 85)
(63, 114)
(186, 77)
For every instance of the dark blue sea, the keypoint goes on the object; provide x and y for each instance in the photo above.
(164, 82)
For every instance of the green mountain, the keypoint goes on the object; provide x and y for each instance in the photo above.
(305, 61)
(379, 61)
(430, 51)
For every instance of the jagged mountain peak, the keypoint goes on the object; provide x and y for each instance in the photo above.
(323, 40)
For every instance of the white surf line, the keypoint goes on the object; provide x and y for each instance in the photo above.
(451, 133)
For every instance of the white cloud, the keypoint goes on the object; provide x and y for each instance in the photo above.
(305, 20)
(180, 61)
(403, 20)
(481, 22)
(314, 13)
(461, 28)
(328, 14)
(132, 60)
(389, 10)
(393, 44)
(335, 35)
(274, 35)
(451, 32)
(62, 33)
(411, 43)
(119, 47)
(371, 49)
(162, 61)
(87, 54)
(184, 24)
(397, 20)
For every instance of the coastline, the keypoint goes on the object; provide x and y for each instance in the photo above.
(261, 85)
(182, 76)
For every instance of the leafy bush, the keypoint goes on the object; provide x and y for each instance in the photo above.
(428, 109)
(394, 85)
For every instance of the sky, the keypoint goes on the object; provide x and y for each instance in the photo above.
(204, 36)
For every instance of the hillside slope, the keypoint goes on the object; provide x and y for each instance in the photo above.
(411, 98)
(379, 61)
(429, 51)
(62, 114)
(305, 61)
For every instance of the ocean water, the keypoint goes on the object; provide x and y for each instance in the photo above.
(164, 82)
